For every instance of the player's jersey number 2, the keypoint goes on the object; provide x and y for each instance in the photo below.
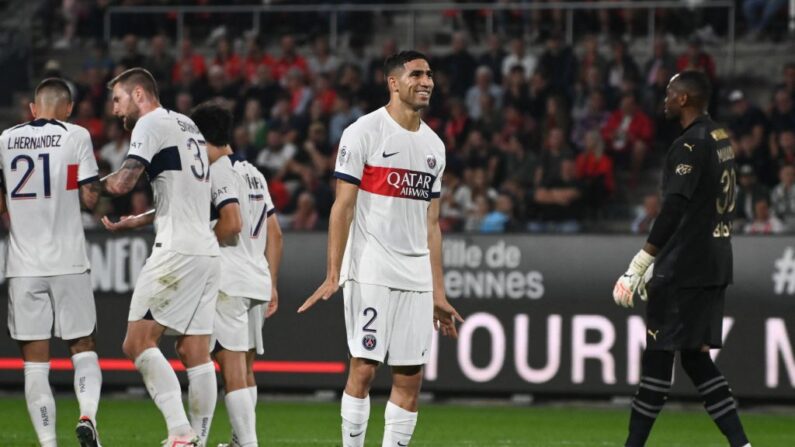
(27, 165)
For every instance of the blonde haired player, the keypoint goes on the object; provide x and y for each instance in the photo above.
(48, 169)
(385, 220)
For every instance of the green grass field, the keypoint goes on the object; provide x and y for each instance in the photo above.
(136, 422)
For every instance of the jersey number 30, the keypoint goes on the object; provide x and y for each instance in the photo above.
(30, 168)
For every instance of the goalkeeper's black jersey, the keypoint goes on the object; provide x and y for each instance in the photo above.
(700, 166)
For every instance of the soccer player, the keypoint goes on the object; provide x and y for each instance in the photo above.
(386, 221)
(690, 246)
(251, 248)
(48, 169)
(178, 286)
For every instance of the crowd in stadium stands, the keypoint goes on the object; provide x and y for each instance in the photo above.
(540, 136)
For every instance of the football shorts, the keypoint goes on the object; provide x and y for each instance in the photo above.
(42, 306)
(238, 324)
(679, 318)
(388, 324)
(178, 291)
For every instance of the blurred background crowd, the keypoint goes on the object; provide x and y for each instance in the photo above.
(541, 136)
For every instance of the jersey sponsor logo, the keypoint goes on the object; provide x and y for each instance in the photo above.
(385, 155)
(369, 342)
(40, 142)
(431, 160)
(683, 169)
(396, 182)
(719, 134)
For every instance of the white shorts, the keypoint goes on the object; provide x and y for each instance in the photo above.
(178, 291)
(42, 306)
(391, 324)
(238, 324)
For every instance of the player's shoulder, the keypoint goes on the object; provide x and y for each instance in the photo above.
(74, 129)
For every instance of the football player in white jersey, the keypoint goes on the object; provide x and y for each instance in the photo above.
(385, 220)
(177, 288)
(249, 268)
(48, 169)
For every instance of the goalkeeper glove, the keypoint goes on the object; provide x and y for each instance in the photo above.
(633, 280)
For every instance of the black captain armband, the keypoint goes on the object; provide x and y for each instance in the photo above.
(673, 209)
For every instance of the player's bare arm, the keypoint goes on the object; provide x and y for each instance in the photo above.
(339, 226)
(123, 181)
(129, 222)
(89, 194)
(229, 224)
(273, 253)
(444, 314)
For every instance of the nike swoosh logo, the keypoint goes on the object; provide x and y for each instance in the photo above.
(385, 155)
(355, 435)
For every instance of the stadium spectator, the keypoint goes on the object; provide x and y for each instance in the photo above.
(558, 64)
(621, 66)
(490, 120)
(376, 65)
(115, 150)
(475, 215)
(788, 79)
(99, 59)
(289, 61)
(131, 57)
(484, 86)
(241, 144)
(324, 92)
(695, 58)
(628, 133)
(350, 83)
(554, 153)
(87, 117)
(493, 57)
(782, 196)
(479, 152)
(537, 99)
(458, 125)
(501, 218)
(344, 114)
(317, 149)
(275, 156)
(305, 217)
(183, 102)
(646, 214)
(558, 201)
(300, 94)
(661, 61)
(556, 115)
(518, 56)
(188, 59)
(782, 114)
(451, 211)
(764, 221)
(460, 65)
(322, 61)
(759, 13)
(595, 171)
(190, 83)
(228, 60)
(262, 88)
(219, 86)
(254, 58)
(784, 151)
(593, 117)
(591, 59)
(749, 191)
(254, 123)
(159, 62)
(517, 91)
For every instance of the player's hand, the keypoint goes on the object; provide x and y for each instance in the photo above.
(444, 317)
(642, 293)
(273, 304)
(324, 292)
(629, 282)
(124, 223)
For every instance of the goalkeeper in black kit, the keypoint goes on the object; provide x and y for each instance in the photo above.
(686, 265)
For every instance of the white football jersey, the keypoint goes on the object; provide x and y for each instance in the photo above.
(44, 162)
(175, 155)
(244, 268)
(398, 173)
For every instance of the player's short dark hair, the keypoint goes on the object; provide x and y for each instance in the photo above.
(214, 122)
(397, 60)
(54, 85)
(136, 77)
(696, 84)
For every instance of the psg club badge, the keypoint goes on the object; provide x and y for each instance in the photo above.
(431, 161)
(368, 341)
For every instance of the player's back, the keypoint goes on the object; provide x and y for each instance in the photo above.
(175, 155)
(244, 266)
(700, 253)
(44, 162)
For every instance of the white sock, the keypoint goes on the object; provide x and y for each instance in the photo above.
(88, 383)
(163, 386)
(355, 413)
(41, 404)
(242, 417)
(253, 391)
(202, 395)
(398, 425)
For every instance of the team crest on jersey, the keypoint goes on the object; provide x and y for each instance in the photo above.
(431, 161)
(344, 154)
(369, 342)
(683, 169)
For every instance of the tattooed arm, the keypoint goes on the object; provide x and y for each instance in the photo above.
(89, 194)
(124, 180)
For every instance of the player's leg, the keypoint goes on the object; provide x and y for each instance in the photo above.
(703, 329)
(76, 322)
(251, 381)
(140, 345)
(87, 383)
(656, 364)
(30, 322)
(400, 416)
(366, 316)
(411, 314)
(193, 350)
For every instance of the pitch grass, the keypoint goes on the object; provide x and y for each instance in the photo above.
(136, 422)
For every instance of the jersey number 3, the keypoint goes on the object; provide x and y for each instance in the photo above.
(725, 202)
(30, 168)
(199, 170)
